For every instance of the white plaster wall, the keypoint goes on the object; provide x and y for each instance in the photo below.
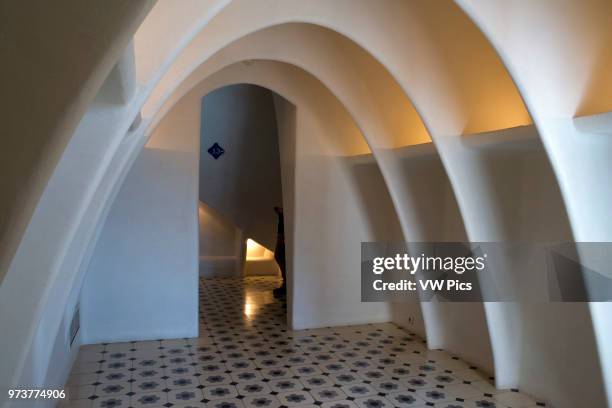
(55, 375)
(286, 127)
(384, 227)
(528, 207)
(172, 203)
(72, 208)
(58, 98)
(166, 30)
(142, 282)
(490, 188)
(459, 328)
(217, 234)
(73, 196)
(220, 244)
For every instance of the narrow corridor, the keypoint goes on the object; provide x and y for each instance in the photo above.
(246, 358)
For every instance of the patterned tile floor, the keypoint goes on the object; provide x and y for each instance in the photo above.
(246, 358)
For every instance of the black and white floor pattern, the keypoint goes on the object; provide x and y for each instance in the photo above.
(246, 357)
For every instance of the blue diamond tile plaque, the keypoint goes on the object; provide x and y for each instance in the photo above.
(215, 150)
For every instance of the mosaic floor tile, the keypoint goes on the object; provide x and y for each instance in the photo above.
(373, 402)
(190, 405)
(284, 385)
(253, 388)
(148, 385)
(339, 404)
(177, 383)
(149, 399)
(245, 357)
(316, 381)
(420, 382)
(220, 392)
(116, 388)
(181, 371)
(405, 399)
(214, 379)
(359, 390)
(114, 377)
(261, 401)
(328, 394)
(112, 402)
(435, 395)
(483, 402)
(306, 370)
(226, 403)
(295, 398)
(345, 378)
(276, 373)
(387, 386)
(184, 395)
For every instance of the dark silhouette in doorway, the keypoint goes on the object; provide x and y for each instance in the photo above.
(279, 253)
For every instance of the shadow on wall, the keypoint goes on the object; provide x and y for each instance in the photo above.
(220, 246)
(384, 226)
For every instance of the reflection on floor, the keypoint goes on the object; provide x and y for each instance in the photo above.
(239, 306)
(246, 358)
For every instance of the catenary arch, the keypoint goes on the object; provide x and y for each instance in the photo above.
(243, 5)
(390, 14)
(405, 23)
(121, 157)
(571, 110)
(119, 168)
(475, 177)
(446, 89)
(311, 99)
(338, 73)
(239, 25)
(440, 105)
(485, 220)
(204, 81)
(442, 99)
